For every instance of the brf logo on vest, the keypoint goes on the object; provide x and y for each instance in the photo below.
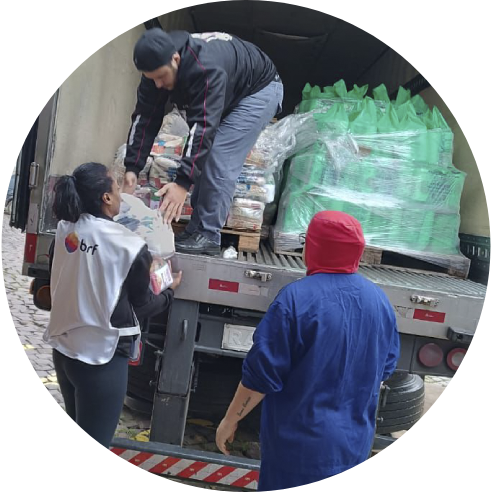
(72, 243)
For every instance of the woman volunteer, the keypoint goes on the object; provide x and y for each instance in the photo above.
(100, 276)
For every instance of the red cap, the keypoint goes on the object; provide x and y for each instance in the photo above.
(334, 243)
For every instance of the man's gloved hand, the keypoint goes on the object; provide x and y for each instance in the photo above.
(130, 183)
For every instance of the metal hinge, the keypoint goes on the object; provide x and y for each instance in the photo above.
(257, 275)
(426, 301)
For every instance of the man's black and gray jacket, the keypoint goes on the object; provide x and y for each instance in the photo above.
(216, 71)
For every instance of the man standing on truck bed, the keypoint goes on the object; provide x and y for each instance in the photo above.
(318, 358)
(230, 90)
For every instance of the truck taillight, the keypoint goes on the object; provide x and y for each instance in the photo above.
(431, 355)
(455, 357)
(30, 248)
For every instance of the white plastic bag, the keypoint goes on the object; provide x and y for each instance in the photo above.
(147, 224)
(230, 253)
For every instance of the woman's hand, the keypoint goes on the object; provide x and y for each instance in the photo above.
(129, 183)
(177, 280)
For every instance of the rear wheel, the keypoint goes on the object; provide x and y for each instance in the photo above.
(404, 404)
(216, 382)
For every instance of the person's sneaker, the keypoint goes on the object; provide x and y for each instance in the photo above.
(197, 244)
(182, 236)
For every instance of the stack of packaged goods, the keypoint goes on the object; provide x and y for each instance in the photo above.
(387, 163)
(163, 162)
(257, 189)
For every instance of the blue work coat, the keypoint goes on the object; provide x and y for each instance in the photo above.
(319, 355)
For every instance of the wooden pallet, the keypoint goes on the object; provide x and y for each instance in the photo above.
(454, 265)
(243, 241)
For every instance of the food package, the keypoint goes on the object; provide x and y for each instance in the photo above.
(163, 169)
(161, 277)
(147, 224)
(172, 136)
(260, 192)
(246, 215)
(118, 169)
(168, 146)
(174, 123)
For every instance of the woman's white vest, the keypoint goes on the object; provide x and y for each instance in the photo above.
(92, 258)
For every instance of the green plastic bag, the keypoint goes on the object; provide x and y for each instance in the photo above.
(440, 138)
(389, 121)
(380, 93)
(306, 92)
(358, 92)
(340, 88)
(329, 92)
(335, 119)
(403, 96)
(447, 137)
(410, 122)
(420, 105)
(366, 121)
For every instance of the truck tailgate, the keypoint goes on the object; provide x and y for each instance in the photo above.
(426, 303)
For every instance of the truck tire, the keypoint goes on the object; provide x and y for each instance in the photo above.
(404, 404)
(217, 381)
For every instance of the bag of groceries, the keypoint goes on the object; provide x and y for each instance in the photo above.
(148, 224)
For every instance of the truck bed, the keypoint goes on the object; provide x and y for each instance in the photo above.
(425, 302)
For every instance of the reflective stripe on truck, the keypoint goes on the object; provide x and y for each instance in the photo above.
(175, 461)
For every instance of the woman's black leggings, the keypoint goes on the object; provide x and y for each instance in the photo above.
(93, 394)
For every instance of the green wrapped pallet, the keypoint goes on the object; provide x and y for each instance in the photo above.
(295, 210)
(444, 238)
(360, 212)
(445, 189)
(400, 183)
(377, 226)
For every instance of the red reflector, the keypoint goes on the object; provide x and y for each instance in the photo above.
(223, 285)
(455, 357)
(431, 355)
(30, 248)
(434, 316)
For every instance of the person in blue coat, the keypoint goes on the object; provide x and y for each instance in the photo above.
(318, 358)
